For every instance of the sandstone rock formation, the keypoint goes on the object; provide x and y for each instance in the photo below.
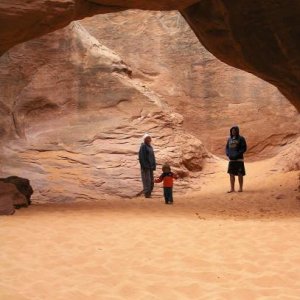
(73, 120)
(10, 198)
(73, 112)
(210, 95)
(289, 157)
(24, 187)
(259, 36)
(21, 21)
(7, 193)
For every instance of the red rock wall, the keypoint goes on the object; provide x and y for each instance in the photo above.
(164, 53)
(74, 119)
(259, 36)
(72, 111)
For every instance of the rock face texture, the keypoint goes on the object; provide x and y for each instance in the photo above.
(7, 193)
(72, 120)
(289, 158)
(259, 36)
(73, 111)
(21, 21)
(210, 95)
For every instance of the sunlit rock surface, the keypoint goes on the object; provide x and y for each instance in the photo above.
(164, 53)
(73, 119)
(74, 105)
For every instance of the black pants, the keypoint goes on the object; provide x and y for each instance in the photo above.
(168, 194)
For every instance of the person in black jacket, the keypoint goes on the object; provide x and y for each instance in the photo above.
(235, 148)
(148, 165)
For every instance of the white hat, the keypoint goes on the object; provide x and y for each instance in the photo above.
(146, 135)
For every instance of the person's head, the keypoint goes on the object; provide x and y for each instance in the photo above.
(147, 139)
(234, 131)
(166, 168)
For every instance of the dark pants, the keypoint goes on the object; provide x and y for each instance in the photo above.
(148, 181)
(168, 194)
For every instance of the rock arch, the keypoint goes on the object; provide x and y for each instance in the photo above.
(258, 36)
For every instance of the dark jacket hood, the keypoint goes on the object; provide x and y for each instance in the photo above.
(236, 129)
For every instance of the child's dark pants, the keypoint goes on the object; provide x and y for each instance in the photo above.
(168, 194)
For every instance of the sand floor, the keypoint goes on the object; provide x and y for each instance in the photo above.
(208, 245)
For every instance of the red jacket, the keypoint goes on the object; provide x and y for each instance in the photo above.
(167, 179)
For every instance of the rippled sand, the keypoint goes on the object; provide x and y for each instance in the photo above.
(209, 245)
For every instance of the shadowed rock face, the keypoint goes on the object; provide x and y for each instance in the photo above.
(8, 193)
(21, 21)
(259, 36)
(23, 186)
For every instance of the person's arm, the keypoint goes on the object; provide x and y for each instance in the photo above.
(243, 146)
(159, 179)
(154, 167)
(227, 148)
(175, 176)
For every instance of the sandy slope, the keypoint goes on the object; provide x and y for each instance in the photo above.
(209, 245)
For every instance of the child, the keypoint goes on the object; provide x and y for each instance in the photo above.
(167, 177)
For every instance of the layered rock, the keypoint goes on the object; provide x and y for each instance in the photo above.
(73, 112)
(73, 120)
(209, 94)
(259, 36)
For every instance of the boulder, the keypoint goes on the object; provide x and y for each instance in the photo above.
(289, 157)
(24, 187)
(7, 196)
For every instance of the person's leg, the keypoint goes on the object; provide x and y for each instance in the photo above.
(143, 176)
(241, 182)
(146, 178)
(232, 182)
(171, 195)
(166, 195)
(151, 180)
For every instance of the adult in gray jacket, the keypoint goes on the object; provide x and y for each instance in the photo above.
(148, 165)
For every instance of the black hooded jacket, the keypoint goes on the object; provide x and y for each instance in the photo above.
(147, 157)
(236, 145)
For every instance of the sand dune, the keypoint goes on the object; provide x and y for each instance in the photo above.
(208, 245)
